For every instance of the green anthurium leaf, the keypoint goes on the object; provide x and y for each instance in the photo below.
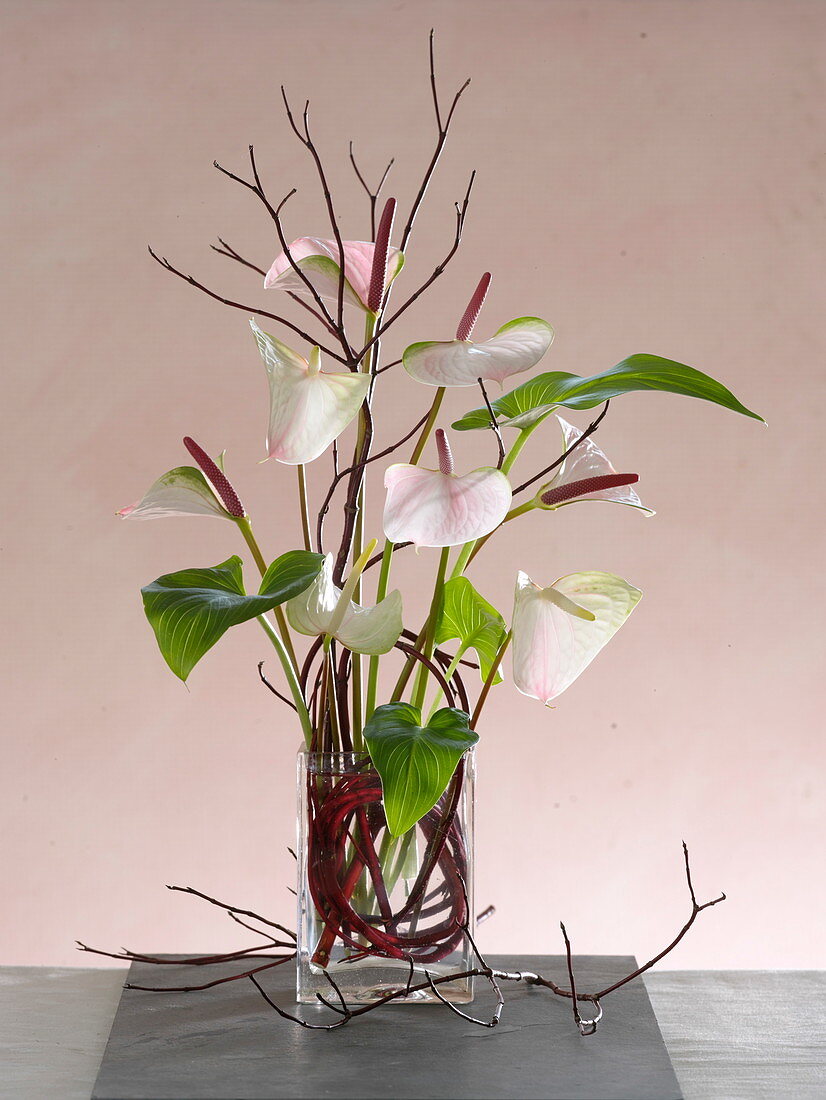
(415, 762)
(190, 610)
(531, 402)
(469, 618)
(291, 574)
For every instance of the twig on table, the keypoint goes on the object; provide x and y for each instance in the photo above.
(586, 1027)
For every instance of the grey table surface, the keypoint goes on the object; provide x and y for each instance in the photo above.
(732, 1035)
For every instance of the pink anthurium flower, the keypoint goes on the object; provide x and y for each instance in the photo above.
(308, 407)
(440, 508)
(186, 491)
(319, 261)
(587, 465)
(516, 347)
(558, 631)
(372, 630)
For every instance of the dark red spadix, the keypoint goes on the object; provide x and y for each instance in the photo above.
(587, 485)
(217, 478)
(378, 276)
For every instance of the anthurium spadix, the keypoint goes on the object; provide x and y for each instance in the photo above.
(187, 491)
(441, 508)
(309, 408)
(319, 612)
(586, 465)
(319, 263)
(557, 631)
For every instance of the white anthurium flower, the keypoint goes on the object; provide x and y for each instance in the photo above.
(586, 463)
(183, 491)
(318, 611)
(309, 408)
(440, 508)
(516, 347)
(319, 262)
(558, 631)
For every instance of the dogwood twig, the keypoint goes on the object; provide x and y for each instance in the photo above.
(371, 195)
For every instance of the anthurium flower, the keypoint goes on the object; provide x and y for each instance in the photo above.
(319, 261)
(186, 491)
(558, 631)
(587, 464)
(516, 347)
(183, 491)
(308, 407)
(371, 630)
(440, 508)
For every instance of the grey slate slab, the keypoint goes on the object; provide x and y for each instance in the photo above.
(226, 1044)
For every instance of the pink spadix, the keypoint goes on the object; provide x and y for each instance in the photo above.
(444, 451)
(474, 308)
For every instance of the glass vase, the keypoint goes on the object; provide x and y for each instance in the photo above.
(380, 913)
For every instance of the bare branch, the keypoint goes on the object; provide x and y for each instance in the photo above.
(162, 260)
(461, 214)
(443, 129)
(589, 431)
(228, 250)
(495, 427)
(309, 144)
(371, 195)
(274, 690)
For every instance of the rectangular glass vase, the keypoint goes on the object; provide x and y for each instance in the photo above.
(376, 913)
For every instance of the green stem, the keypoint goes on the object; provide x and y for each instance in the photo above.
(464, 557)
(513, 453)
(436, 605)
(373, 666)
(520, 510)
(471, 549)
(302, 501)
(291, 677)
(367, 366)
(332, 696)
(451, 668)
(405, 673)
(428, 427)
(245, 528)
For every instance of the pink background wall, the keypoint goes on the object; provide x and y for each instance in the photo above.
(650, 179)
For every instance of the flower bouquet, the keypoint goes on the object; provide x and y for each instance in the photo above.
(390, 709)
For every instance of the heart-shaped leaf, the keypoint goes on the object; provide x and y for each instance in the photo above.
(475, 622)
(531, 402)
(415, 762)
(191, 609)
